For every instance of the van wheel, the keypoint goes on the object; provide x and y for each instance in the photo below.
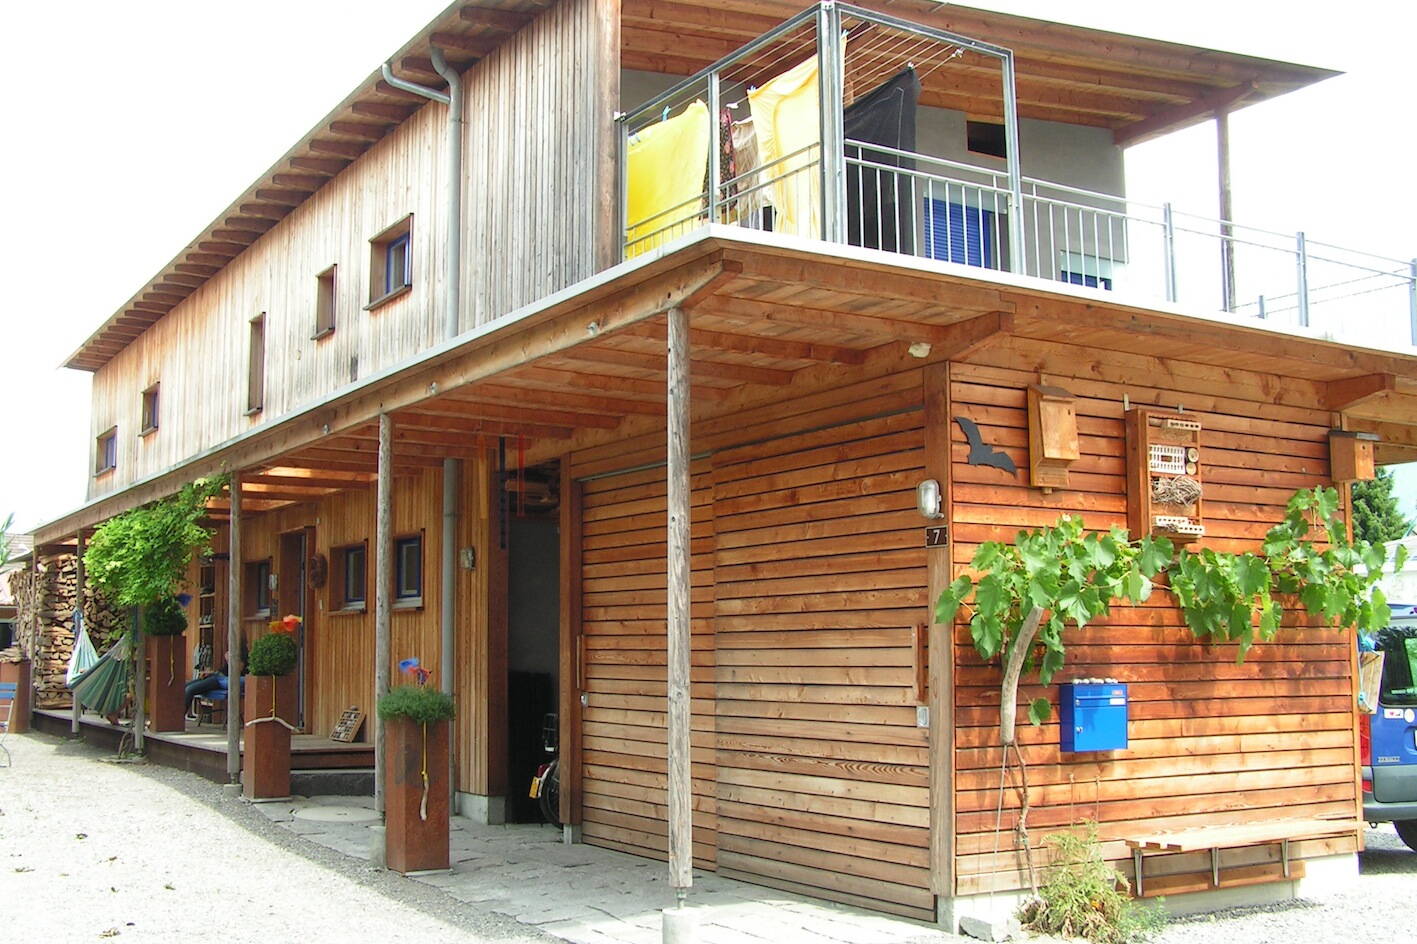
(1407, 829)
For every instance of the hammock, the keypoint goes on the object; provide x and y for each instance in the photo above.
(84, 656)
(103, 687)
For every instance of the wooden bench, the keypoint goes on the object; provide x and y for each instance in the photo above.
(1215, 838)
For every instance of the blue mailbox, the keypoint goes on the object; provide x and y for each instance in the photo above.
(1093, 716)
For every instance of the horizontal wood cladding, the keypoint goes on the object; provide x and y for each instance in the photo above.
(1210, 741)
(340, 645)
(534, 120)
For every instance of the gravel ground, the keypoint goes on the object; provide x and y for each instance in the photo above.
(90, 850)
(1380, 907)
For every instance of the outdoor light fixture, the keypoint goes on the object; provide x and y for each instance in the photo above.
(927, 499)
(919, 349)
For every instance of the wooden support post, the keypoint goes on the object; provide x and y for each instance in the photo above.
(383, 586)
(681, 846)
(79, 581)
(234, 666)
(940, 570)
(571, 645)
(140, 682)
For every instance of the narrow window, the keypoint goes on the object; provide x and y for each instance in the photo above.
(986, 137)
(391, 262)
(324, 303)
(256, 366)
(408, 569)
(257, 590)
(106, 452)
(149, 410)
(351, 563)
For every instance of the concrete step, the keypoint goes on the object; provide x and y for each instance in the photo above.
(353, 781)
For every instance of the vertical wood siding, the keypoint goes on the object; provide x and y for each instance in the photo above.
(536, 110)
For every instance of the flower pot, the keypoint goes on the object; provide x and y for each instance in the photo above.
(167, 682)
(415, 820)
(265, 762)
(19, 673)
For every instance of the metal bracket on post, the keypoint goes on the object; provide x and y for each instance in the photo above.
(1302, 254)
(830, 93)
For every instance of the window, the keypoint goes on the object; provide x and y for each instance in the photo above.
(1082, 278)
(106, 452)
(324, 303)
(1399, 685)
(7, 634)
(985, 137)
(957, 233)
(408, 569)
(256, 366)
(149, 410)
(257, 588)
(351, 563)
(391, 262)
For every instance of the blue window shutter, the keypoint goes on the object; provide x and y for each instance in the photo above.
(956, 233)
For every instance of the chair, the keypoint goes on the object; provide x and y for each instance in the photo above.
(207, 705)
(9, 694)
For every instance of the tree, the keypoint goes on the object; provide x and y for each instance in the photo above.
(1377, 518)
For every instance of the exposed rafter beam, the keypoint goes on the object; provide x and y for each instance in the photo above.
(1182, 116)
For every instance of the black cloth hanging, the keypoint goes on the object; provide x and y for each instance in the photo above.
(879, 210)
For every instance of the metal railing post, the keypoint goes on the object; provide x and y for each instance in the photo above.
(715, 147)
(830, 92)
(1302, 251)
(1014, 165)
(622, 157)
(1263, 313)
(1412, 298)
(1168, 229)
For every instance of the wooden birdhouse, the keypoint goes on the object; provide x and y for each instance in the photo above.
(1350, 455)
(1052, 436)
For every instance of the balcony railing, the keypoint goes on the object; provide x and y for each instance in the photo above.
(766, 138)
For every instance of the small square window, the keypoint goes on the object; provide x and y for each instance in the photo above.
(391, 262)
(408, 569)
(257, 588)
(986, 137)
(150, 410)
(351, 564)
(106, 452)
(256, 366)
(325, 303)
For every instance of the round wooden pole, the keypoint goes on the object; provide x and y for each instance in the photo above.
(233, 634)
(383, 580)
(681, 851)
(79, 579)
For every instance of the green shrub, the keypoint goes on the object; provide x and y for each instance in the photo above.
(165, 618)
(273, 654)
(416, 703)
(1085, 897)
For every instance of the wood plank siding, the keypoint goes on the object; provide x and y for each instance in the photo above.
(810, 573)
(538, 111)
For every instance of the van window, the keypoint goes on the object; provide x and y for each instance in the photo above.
(1399, 645)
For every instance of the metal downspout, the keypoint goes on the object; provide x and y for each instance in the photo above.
(452, 468)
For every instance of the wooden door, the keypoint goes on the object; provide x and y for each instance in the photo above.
(820, 579)
(623, 600)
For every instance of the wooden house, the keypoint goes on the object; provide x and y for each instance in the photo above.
(592, 353)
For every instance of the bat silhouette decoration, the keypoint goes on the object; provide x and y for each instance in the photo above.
(979, 452)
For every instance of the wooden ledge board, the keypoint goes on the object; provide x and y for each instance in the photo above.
(1221, 836)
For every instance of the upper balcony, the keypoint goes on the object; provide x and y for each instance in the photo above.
(854, 127)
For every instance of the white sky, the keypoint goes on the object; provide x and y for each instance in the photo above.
(133, 125)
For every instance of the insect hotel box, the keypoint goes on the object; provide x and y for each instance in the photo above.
(1165, 493)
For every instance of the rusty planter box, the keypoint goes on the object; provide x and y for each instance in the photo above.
(167, 682)
(265, 763)
(19, 673)
(413, 842)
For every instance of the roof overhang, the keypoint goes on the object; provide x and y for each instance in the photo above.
(772, 315)
(1139, 88)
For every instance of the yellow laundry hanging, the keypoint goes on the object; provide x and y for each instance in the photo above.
(788, 119)
(664, 189)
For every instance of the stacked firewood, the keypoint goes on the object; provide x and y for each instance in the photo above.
(45, 594)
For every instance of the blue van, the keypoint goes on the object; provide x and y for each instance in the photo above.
(1389, 738)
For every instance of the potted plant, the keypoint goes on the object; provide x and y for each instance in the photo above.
(416, 719)
(164, 624)
(265, 767)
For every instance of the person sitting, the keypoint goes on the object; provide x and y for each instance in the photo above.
(211, 682)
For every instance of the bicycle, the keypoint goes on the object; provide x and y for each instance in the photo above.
(546, 784)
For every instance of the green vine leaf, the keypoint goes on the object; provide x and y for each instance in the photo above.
(1039, 711)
